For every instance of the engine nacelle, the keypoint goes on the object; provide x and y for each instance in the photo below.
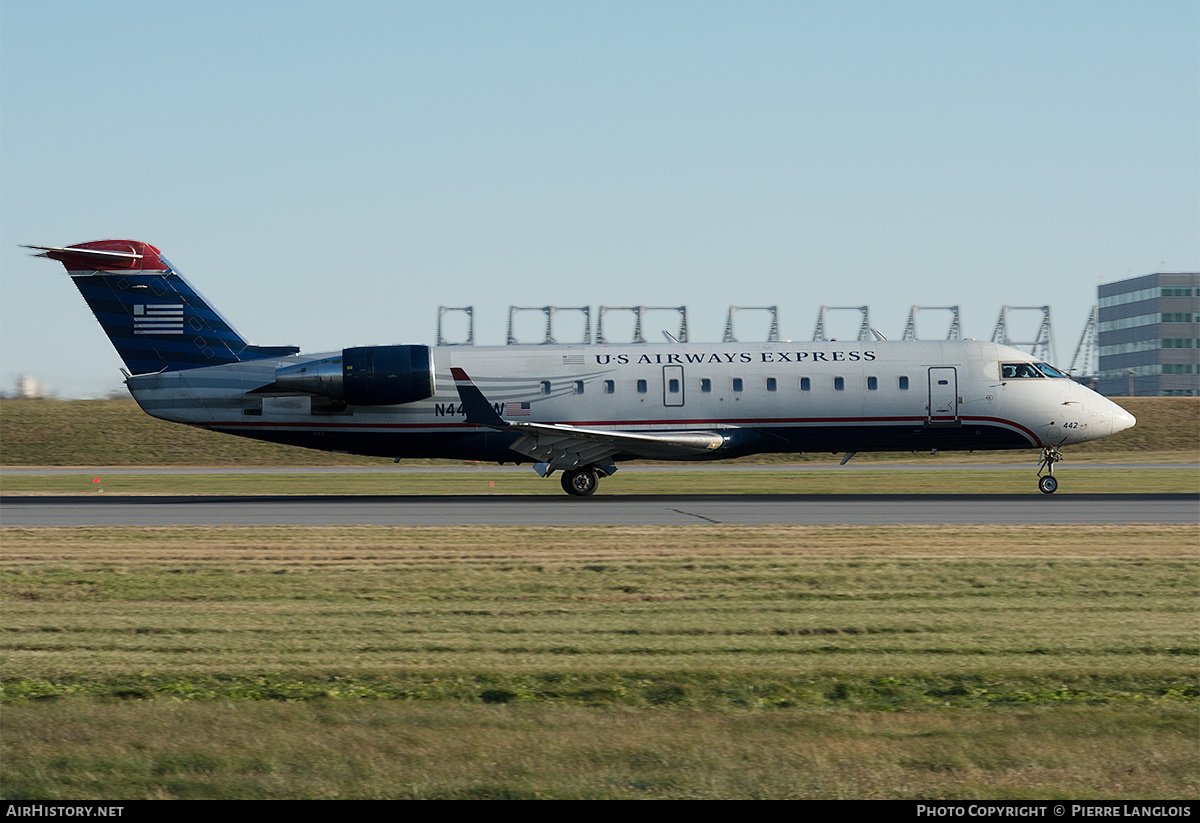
(363, 376)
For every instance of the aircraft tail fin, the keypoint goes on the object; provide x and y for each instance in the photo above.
(156, 320)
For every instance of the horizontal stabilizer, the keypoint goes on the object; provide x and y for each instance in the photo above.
(106, 255)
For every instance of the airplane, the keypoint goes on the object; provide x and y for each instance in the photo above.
(575, 409)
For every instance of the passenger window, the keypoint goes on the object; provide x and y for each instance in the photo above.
(770, 384)
(737, 384)
(609, 387)
(579, 387)
(545, 387)
(705, 384)
(805, 384)
(872, 383)
(903, 383)
(839, 384)
(641, 386)
(673, 385)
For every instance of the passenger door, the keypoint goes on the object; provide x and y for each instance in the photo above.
(943, 396)
(672, 385)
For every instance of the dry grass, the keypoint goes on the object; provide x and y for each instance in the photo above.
(373, 602)
(958, 662)
(326, 545)
(404, 750)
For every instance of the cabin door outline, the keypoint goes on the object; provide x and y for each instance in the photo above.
(943, 396)
(673, 385)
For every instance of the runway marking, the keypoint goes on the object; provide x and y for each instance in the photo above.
(697, 516)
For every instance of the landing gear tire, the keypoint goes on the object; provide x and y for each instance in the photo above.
(580, 482)
(1050, 456)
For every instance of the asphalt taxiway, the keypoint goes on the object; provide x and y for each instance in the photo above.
(601, 510)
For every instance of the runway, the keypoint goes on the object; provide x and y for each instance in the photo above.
(602, 510)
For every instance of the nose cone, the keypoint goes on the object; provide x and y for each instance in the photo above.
(1121, 419)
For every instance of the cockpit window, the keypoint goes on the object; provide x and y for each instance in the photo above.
(1017, 371)
(1049, 371)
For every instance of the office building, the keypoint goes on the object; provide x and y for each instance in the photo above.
(1148, 336)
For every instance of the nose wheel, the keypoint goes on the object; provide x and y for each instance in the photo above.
(1046, 483)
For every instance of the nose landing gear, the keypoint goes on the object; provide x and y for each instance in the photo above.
(1050, 455)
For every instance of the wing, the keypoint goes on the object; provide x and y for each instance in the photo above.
(567, 447)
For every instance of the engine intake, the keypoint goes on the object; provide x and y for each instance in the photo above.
(363, 376)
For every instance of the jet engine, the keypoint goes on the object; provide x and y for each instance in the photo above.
(362, 376)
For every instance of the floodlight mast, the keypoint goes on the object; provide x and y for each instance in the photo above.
(864, 329)
(1086, 362)
(772, 333)
(910, 328)
(470, 312)
(1039, 347)
(640, 315)
(549, 311)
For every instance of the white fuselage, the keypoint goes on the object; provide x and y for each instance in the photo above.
(769, 397)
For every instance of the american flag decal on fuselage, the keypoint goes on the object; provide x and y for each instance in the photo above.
(516, 410)
(160, 318)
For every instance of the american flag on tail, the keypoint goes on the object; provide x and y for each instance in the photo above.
(158, 318)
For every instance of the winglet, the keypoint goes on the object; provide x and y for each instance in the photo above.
(479, 410)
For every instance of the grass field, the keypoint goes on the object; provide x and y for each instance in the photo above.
(684, 662)
(969, 662)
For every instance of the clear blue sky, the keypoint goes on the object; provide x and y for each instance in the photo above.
(329, 174)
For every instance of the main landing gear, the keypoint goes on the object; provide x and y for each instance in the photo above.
(1050, 456)
(581, 482)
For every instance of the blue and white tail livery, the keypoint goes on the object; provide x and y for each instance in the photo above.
(577, 410)
(153, 316)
